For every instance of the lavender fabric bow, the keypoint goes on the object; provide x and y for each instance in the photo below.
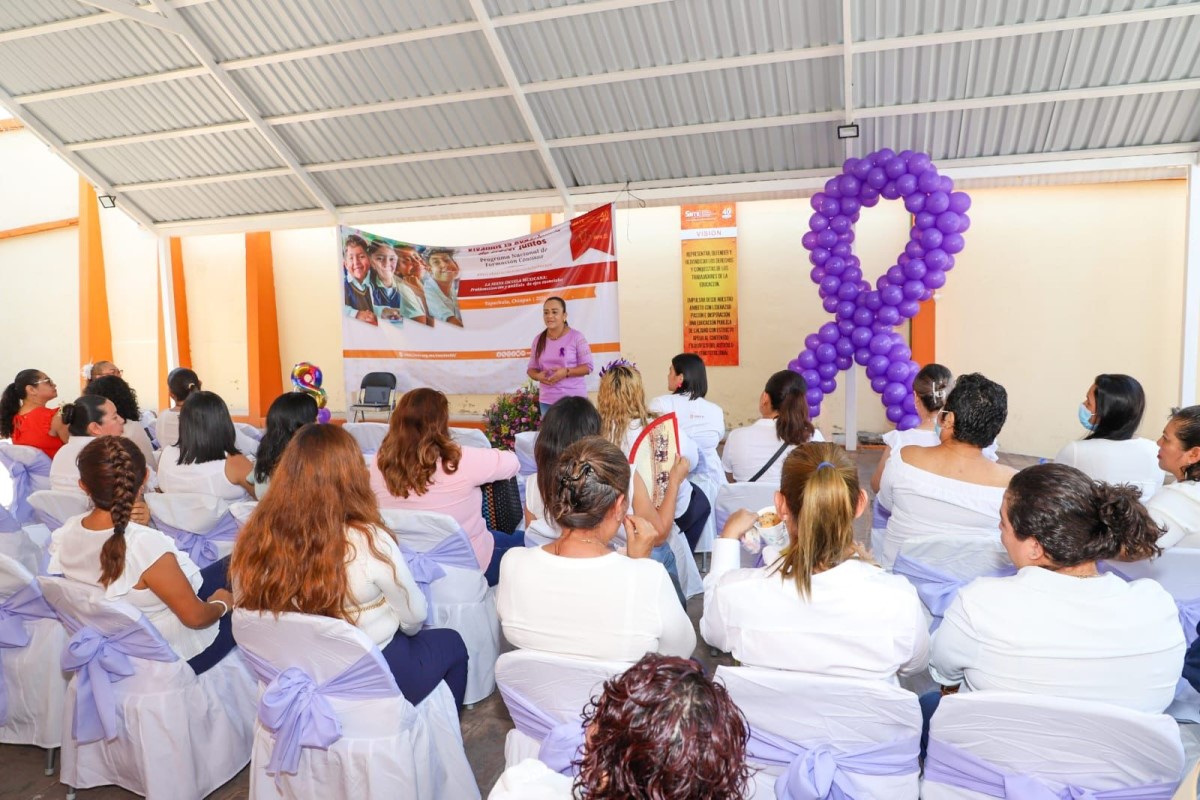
(202, 547)
(953, 766)
(820, 772)
(295, 707)
(22, 482)
(24, 605)
(100, 661)
(561, 742)
(426, 567)
(8, 523)
(937, 589)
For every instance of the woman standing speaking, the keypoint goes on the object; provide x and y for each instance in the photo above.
(559, 357)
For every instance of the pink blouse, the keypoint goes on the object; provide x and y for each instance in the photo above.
(457, 494)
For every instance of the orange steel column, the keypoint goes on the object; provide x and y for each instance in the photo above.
(95, 332)
(179, 295)
(924, 337)
(539, 222)
(262, 326)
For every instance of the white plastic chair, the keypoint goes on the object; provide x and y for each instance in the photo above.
(461, 601)
(470, 437)
(201, 524)
(52, 507)
(559, 686)
(384, 746)
(34, 684)
(829, 717)
(1053, 741)
(173, 735)
(959, 558)
(369, 435)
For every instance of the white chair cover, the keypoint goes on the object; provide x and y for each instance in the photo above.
(558, 685)
(842, 714)
(369, 435)
(34, 686)
(24, 546)
(734, 496)
(179, 736)
(961, 557)
(461, 601)
(388, 748)
(53, 507)
(246, 438)
(1178, 571)
(1054, 740)
(242, 510)
(470, 437)
(523, 444)
(194, 513)
(23, 471)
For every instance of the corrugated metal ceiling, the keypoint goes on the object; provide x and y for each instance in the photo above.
(389, 103)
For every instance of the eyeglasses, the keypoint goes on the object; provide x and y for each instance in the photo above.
(44, 380)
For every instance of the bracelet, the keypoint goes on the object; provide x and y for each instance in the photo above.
(224, 607)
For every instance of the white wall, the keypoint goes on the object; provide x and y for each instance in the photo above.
(38, 185)
(214, 272)
(131, 277)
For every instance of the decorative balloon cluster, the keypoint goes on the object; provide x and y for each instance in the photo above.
(861, 331)
(307, 378)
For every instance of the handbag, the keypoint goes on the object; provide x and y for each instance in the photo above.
(502, 510)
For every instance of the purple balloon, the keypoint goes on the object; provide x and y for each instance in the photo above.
(826, 353)
(949, 264)
(830, 285)
(879, 384)
(835, 265)
(906, 155)
(863, 316)
(861, 356)
(915, 269)
(814, 411)
(894, 412)
(881, 343)
(945, 184)
(816, 200)
(936, 258)
(897, 371)
(895, 275)
(841, 250)
(894, 167)
(846, 327)
(959, 202)
(861, 336)
(899, 352)
(811, 376)
(891, 295)
(852, 275)
(914, 202)
(817, 274)
(918, 163)
(874, 302)
(814, 396)
(846, 237)
(828, 386)
(909, 405)
(877, 365)
(828, 332)
(928, 293)
(843, 362)
(827, 370)
(818, 222)
(830, 304)
(948, 222)
(848, 185)
(876, 178)
(811, 341)
(829, 206)
(844, 347)
(924, 219)
(912, 289)
(806, 360)
(889, 191)
(827, 239)
(869, 196)
(809, 240)
(907, 184)
(839, 224)
(883, 156)
(934, 279)
(908, 422)
(819, 256)
(846, 308)
(914, 250)
(937, 203)
(860, 169)
(931, 238)
(928, 182)
(848, 291)
(964, 222)
(850, 207)
(893, 395)
(888, 315)
(910, 308)
(952, 243)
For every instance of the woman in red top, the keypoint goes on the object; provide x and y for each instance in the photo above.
(23, 414)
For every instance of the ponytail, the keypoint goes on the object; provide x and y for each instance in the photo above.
(77, 416)
(13, 397)
(820, 487)
(787, 392)
(181, 382)
(1126, 530)
(111, 469)
(932, 386)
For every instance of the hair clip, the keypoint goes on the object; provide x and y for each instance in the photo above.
(824, 464)
(617, 362)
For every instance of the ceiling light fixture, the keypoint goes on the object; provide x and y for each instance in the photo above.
(108, 201)
(847, 131)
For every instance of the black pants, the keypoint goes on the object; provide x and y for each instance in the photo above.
(692, 521)
(419, 663)
(215, 576)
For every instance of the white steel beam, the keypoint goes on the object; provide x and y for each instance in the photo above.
(117, 83)
(1190, 352)
(166, 300)
(514, 85)
(558, 12)
(124, 9)
(847, 62)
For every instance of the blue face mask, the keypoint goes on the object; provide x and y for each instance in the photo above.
(1085, 418)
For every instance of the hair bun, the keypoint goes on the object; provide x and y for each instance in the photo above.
(67, 412)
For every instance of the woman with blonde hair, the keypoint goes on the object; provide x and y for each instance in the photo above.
(420, 468)
(623, 414)
(821, 606)
(316, 544)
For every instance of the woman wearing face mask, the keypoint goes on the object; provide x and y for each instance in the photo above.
(1111, 452)
(559, 357)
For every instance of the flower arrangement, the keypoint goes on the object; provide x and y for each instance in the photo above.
(512, 413)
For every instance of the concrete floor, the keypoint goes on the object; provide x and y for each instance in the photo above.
(484, 726)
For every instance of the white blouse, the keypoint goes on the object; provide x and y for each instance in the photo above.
(749, 447)
(1041, 632)
(1177, 507)
(701, 419)
(858, 622)
(610, 608)
(135, 433)
(924, 504)
(385, 602)
(75, 554)
(64, 471)
(207, 478)
(927, 438)
(1130, 461)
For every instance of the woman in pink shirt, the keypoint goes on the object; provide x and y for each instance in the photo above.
(420, 468)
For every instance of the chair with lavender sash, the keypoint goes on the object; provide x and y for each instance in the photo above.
(733, 497)
(816, 737)
(19, 543)
(444, 564)
(23, 471)
(53, 507)
(331, 721)
(32, 688)
(938, 566)
(545, 694)
(523, 445)
(201, 524)
(1037, 747)
(137, 715)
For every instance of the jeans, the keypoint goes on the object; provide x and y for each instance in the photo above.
(929, 703)
(665, 556)
(214, 576)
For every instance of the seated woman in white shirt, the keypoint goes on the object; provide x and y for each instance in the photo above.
(661, 729)
(1111, 452)
(123, 396)
(206, 460)
(756, 452)
(821, 607)
(288, 413)
(140, 565)
(1059, 627)
(1176, 506)
(623, 414)
(316, 544)
(701, 419)
(181, 384)
(576, 596)
(951, 487)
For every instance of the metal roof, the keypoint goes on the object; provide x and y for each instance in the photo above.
(258, 113)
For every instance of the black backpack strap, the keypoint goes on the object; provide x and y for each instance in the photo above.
(767, 465)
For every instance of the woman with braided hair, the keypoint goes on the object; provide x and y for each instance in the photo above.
(140, 565)
(578, 597)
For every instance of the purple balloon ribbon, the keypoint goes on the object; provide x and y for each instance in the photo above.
(561, 742)
(820, 772)
(296, 709)
(426, 567)
(954, 766)
(101, 660)
(24, 605)
(202, 547)
(22, 480)
(937, 589)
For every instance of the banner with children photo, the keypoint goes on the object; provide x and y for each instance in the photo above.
(461, 319)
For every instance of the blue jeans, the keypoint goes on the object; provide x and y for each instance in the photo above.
(929, 703)
(543, 408)
(665, 556)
